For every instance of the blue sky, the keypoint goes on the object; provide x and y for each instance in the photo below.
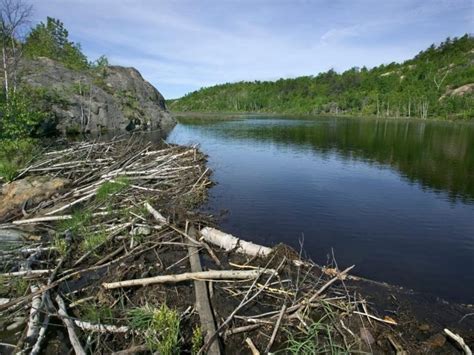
(182, 45)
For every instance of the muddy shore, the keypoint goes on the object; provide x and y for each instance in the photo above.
(96, 225)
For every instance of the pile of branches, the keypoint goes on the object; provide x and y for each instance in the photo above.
(124, 262)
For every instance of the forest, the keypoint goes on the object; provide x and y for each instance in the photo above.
(437, 83)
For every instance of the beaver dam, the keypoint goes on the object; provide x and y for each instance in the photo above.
(103, 251)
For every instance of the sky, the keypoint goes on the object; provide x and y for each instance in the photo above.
(182, 45)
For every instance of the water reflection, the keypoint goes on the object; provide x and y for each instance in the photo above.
(394, 197)
(439, 155)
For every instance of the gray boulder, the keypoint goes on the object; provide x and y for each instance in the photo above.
(111, 98)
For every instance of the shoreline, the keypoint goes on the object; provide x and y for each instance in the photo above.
(167, 223)
(232, 115)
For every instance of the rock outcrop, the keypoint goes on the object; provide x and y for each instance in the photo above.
(111, 98)
(30, 190)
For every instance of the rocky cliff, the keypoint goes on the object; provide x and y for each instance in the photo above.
(109, 98)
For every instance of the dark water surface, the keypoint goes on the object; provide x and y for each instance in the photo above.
(394, 197)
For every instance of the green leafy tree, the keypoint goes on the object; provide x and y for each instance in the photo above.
(51, 39)
(420, 87)
(19, 116)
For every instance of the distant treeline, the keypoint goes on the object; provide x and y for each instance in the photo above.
(438, 82)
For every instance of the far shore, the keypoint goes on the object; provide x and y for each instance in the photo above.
(235, 115)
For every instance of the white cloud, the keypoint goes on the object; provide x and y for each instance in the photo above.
(182, 45)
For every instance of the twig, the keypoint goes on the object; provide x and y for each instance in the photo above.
(391, 322)
(252, 347)
(275, 330)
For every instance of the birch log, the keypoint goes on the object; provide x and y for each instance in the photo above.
(76, 344)
(203, 275)
(229, 242)
(203, 305)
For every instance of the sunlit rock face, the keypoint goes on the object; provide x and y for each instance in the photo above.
(112, 98)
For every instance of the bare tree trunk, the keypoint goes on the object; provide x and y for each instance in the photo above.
(5, 71)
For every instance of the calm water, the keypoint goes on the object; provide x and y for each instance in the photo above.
(396, 197)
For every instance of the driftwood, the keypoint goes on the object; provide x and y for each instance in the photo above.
(275, 329)
(252, 346)
(27, 273)
(203, 305)
(203, 275)
(229, 242)
(460, 341)
(76, 344)
(33, 328)
(100, 328)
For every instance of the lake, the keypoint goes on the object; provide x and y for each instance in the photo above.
(393, 197)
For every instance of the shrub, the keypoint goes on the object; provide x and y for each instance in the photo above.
(14, 155)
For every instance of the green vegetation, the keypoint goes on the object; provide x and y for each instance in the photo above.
(60, 244)
(96, 313)
(25, 112)
(51, 40)
(91, 241)
(420, 87)
(113, 187)
(19, 116)
(80, 219)
(319, 337)
(197, 340)
(14, 155)
(160, 327)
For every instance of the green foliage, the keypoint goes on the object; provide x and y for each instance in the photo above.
(160, 327)
(19, 116)
(317, 338)
(60, 244)
(51, 39)
(420, 87)
(113, 187)
(96, 313)
(91, 241)
(197, 340)
(18, 286)
(77, 224)
(14, 155)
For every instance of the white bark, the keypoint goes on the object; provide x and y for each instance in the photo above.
(76, 344)
(203, 275)
(229, 242)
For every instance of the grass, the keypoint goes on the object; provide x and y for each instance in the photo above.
(59, 243)
(160, 327)
(112, 187)
(96, 313)
(318, 338)
(14, 155)
(93, 240)
(197, 340)
(77, 224)
(14, 286)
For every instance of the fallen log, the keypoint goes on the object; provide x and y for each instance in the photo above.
(34, 320)
(458, 340)
(229, 242)
(203, 305)
(26, 273)
(203, 275)
(101, 328)
(76, 344)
